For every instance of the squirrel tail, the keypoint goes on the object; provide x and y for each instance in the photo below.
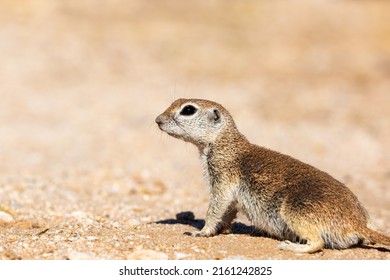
(376, 237)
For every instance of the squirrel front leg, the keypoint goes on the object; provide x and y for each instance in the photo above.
(220, 214)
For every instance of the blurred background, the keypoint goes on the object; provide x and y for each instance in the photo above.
(78, 76)
(81, 83)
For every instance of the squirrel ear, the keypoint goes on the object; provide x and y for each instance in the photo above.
(216, 116)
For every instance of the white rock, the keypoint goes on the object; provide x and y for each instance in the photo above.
(74, 255)
(147, 255)
(79, 215)
(235, 258)
(135, 222)
(196, 249)
(180, 256)
(92, 238)
(5, 217)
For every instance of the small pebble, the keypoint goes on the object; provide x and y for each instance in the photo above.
(147, 255)
(5, 217)
(78, 215)
(135, 222)
(92, 238)
(235, 258)
(74, 255)
(180, 256)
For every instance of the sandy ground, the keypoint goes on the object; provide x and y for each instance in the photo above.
(86, 174)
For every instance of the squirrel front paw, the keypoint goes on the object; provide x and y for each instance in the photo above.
(201, 233)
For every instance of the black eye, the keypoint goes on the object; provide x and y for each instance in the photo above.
(188, 110)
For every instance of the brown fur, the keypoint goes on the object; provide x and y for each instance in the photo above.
(286, 198)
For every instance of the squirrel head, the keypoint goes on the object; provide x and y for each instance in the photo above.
(195, 120)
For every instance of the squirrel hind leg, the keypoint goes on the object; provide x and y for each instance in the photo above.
(314, 240)
(312, 246)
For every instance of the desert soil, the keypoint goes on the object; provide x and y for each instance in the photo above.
(86, 174)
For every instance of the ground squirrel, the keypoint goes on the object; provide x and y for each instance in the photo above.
(288, 199)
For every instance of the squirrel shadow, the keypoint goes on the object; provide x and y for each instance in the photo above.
(372, 247)
(188, 218)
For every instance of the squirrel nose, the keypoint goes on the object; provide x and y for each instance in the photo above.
(160, 119)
